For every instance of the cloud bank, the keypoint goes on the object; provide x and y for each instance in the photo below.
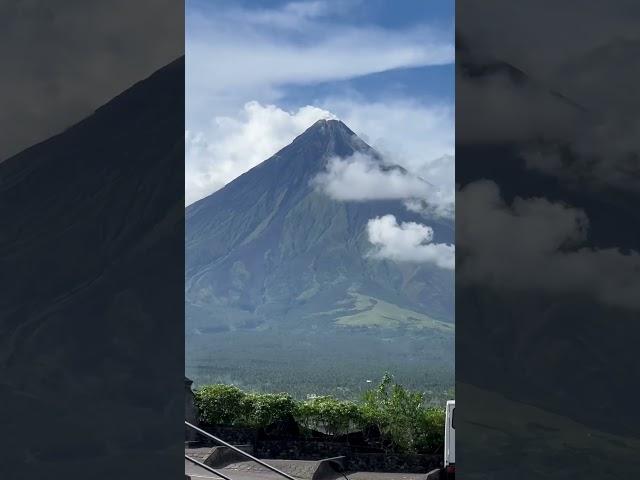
(241, 52)
(408, 242)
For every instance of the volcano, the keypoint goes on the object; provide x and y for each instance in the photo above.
(279, 278)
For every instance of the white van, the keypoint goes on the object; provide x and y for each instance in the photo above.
(449, 470)
(450, 439)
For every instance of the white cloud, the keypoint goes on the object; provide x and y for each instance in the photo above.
(296, 16)
(239, 61)
(234, 145)
(534, 244)
(361, 177)
(408, 242)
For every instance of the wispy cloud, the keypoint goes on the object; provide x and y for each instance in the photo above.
(295, 16)
(240, 51)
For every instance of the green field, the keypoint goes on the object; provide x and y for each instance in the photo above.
(371, 312)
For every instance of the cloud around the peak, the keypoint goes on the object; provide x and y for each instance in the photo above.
(241, 61)
(408, 242)
(362, 178)
(232, 145)
(420, 136)
(417, 137)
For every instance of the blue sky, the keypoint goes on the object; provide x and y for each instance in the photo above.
(260, 72)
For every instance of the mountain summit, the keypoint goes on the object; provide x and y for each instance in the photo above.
(272, 260)
(299, 161)
(329, 128)
(331, 135)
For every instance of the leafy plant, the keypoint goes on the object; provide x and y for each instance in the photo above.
(405, 422)
(398, 413)
(430, 432)
(267, 408)
(334, 417)
(222, 404)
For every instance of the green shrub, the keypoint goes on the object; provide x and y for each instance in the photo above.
(395, 411)
(222, 404)
(430, 433)
(266, 408)
(405, 422)
(334, 416)
(402, 418)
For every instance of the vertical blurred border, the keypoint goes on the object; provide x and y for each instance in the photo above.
(92, 239)
(547, 372)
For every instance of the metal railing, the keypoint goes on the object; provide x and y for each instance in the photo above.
(235, 449)
(206, 467)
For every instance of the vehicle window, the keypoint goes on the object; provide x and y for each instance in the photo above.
(453, 418)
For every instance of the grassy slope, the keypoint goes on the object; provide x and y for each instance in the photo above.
(371, 312)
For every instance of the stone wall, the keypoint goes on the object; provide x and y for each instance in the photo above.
(300, 449)
(381, 462)
(232, 435)
(356, 458)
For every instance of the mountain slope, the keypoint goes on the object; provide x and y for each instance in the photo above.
(270, 253)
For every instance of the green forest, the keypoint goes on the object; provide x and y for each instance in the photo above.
(341, 363)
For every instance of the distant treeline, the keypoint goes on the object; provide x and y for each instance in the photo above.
(405, 421)
(340, 364)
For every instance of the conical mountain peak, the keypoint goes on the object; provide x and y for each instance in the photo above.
(327, 129)
(330, 127)
(296, 164)
(325, 138)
